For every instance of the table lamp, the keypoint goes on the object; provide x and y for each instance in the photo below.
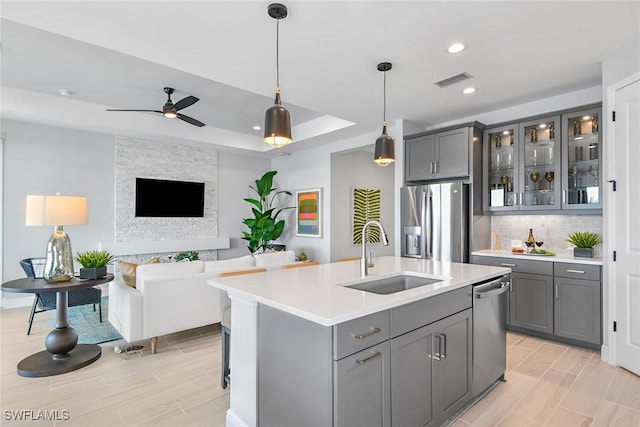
(57, 211)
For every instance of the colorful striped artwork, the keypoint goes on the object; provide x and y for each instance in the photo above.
(366, 207)
(308, 221)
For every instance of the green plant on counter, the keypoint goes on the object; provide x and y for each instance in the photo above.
(584, 239)
(264, 227)
(94, 259)
(187, 256)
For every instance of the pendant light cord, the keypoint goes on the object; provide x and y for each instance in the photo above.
(384, 99)
(278, 53)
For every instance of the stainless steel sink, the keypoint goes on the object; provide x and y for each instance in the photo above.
(391, 285)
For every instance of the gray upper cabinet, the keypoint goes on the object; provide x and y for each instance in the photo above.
(522, 161)
(582, 165)
(548, 164)
(443, 154)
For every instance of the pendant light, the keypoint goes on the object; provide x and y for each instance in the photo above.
(277, 121)
(385, 151)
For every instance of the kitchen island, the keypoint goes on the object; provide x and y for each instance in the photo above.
(292, 331)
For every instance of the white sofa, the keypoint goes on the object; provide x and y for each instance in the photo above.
(173, 297)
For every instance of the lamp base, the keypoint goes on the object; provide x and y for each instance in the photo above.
(58, 266)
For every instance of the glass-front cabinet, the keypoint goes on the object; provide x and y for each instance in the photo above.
(544, 164)
(501, 162)
(541, 164)
(582, 150)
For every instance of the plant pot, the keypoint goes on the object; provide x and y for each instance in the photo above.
(93, 273)
(276, 247)
(583, 252)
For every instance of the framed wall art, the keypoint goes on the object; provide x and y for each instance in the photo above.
(309, 213)
(365, 207)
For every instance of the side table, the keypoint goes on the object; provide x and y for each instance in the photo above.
(63, 353)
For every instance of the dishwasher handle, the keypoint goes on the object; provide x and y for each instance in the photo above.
(504, 287)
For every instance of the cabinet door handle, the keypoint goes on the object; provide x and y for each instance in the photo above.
(435, 167)
(443, 350)
(435, 345)
(506, 264)
(556, 291)
(375, 355)
(564, 196)
(575, 271)
(432, 167)
(373, 331)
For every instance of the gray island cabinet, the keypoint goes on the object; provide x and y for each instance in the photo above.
(308, 350)
(406, 366)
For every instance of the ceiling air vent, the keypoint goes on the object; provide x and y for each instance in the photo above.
(453, 79)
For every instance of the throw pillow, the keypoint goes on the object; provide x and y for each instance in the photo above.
(128, 270)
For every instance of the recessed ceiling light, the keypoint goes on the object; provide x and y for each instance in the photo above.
(456, 48)
(469, 90)
(257, 127)
(586, 117)
(506, 132)
(542, 125)
(65, 92)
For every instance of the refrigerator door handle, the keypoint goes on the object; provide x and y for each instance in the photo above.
(429, 224)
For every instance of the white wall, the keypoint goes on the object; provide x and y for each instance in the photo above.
(235, 173)
(356, 169)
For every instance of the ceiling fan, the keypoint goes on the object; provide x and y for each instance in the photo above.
(170, 109)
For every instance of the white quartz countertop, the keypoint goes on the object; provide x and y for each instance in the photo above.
(558, 257)
(318, 293)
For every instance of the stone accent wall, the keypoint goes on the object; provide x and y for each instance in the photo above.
(551, 229)
(140, 158)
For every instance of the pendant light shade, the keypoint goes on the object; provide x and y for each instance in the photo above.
(384, 153)
(277, 120)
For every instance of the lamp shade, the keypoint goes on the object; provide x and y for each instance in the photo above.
(384, 153)
(56, 210)
(277, 124)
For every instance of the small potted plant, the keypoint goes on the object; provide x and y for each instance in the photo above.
(584, 241)
(187, 256)
(94, 263)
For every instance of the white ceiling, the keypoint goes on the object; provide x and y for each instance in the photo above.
(121, 54)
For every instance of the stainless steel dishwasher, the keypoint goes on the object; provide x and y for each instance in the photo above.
(489, 332)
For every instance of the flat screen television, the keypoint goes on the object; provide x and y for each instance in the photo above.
(164, 198)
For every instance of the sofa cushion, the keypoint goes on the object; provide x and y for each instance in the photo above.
(168, 270)
(232, 264)
(275, 259)
(128, 270)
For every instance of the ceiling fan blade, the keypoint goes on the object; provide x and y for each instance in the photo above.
(148, 111)
(185, 102)
(190, 120)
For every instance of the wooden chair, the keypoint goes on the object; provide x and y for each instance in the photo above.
(226, 325)
(47, 300)
(300, 264)
(349, 259)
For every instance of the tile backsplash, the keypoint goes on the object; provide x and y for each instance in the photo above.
(551, 229)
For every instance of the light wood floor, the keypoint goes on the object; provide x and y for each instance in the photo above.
(548, 384)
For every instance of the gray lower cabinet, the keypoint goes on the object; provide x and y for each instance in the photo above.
(577, 305)
(361, 388)
(431, 372)
(561, 300)
(531, 302)
(408, 366)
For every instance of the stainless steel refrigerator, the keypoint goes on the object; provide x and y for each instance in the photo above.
(435, 221)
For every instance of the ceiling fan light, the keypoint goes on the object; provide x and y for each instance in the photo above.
(384, 153)
(170, 114)
(277, 124)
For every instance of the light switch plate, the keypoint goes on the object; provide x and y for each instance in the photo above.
(516, 243)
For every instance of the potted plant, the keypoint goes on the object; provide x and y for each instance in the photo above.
(94, 263)
(584, 241)
(187, 256)
(264, 227)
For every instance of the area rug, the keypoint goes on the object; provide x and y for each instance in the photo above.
(87, 323)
